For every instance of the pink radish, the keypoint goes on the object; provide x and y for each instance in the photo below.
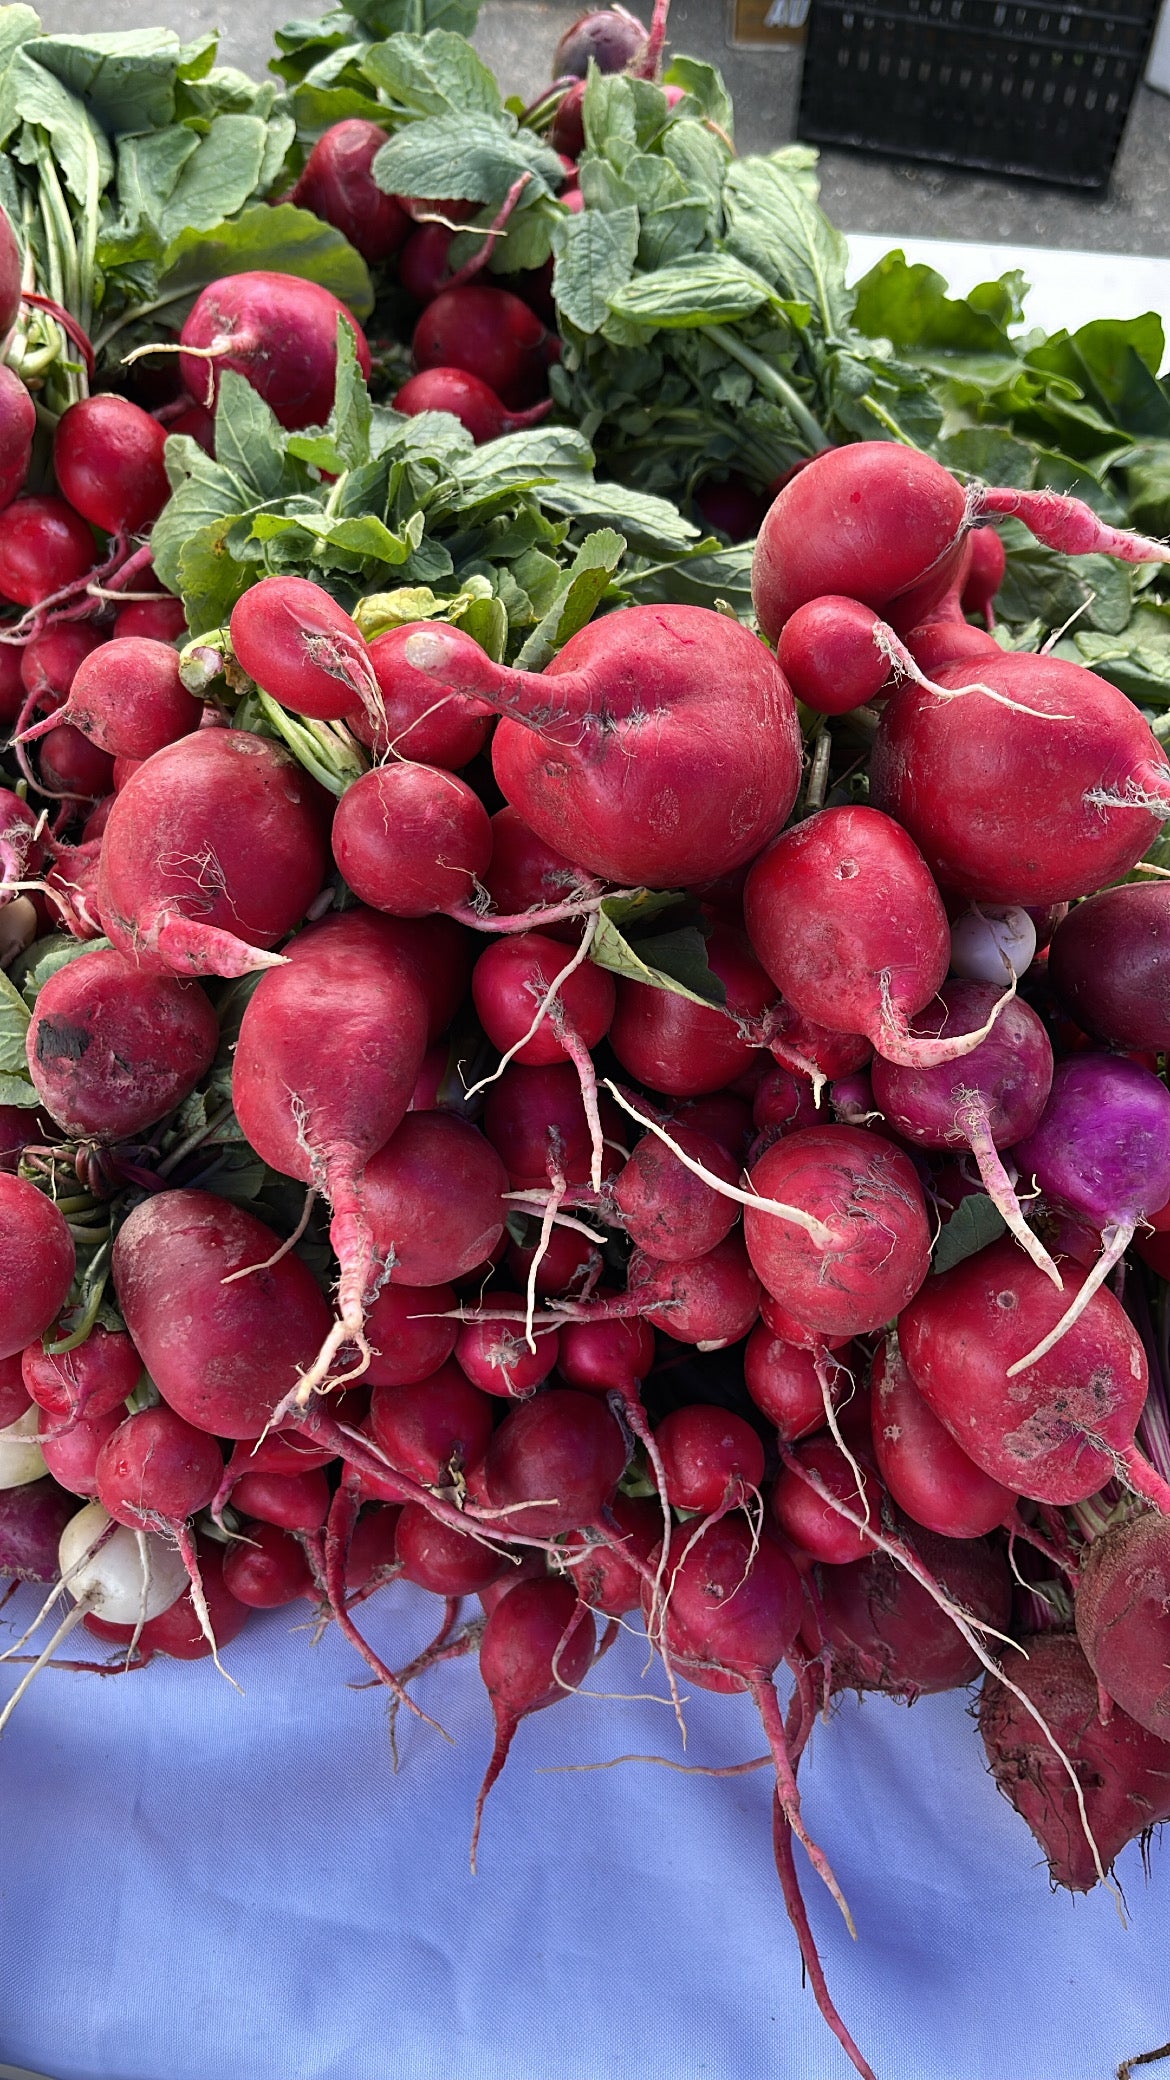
(338, 184)
(434, 1199)
(537, 1646)
(964, 777)
(279, 333)
(304, 650)
(785, 1382)
(71, 1450)
(929, 1476)
(411, 839)
(213, 851)
(108, 459)
(113, 1048)
(38, 1259)
(1060, 1430)
(606, 1357)
(497, 1356)
(305, 1121)
(611, 753)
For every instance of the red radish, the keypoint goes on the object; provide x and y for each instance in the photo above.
(470, 400)
(12, 687)
(496, 1356)
(712, 1458)
(434, 1199)
(810, 1049)
(990, 1099)
(965, 776)
(38, 1260)
(154, 1473)
(372, 1559)
(72, 887)
(213, 851)
(15, 1397)
(50, 663)
(411, 839)
(535, 1119)
(867, 1193)
(44, 548)
(407, 1333)
(885, 1633)
(784, 1101)
(18, 1129)
(811, 1523)
(606, 1357)
(611, 752)
(526, 874)
(785, 1382)
(723, 1115)
(128, 699)
(108, 460)
(1122, 1611)
(177, 1631)
(710, 1300)
(71, 1450)
(417, 720)
(438, 953)
(222, 1356)
(125, 769)
(929, 1476)
(197, 421)
(732, 505)
(610, 1574)
(423, 264)
(610, 37)
(685, 1049)
(566, 132)
(537, 1646)
(828, 654)
(440, 1558)
(490, 333)
(434, 1430)
(338, 184)
(278, 332)
(161, 621)
(886, 525)
(32, 1518)
(266, 1568)
(297, 1502)
(70, 766)
(667, 1210)
(92, 1380)
(113, 1048)
(1062, 1429)
(304, 650)
(935, 644)
(511, 985)
(844, 915)
(18, 420)
(569, 1263)
(1123, 1771)
(985, 573)
(553, 1464)
(1109, 964)
(309, 1123)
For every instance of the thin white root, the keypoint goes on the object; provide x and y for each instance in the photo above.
(250, 1269)
(1116, 1239)
(972, 1118)
(542, 1009)
(895, 652)
(63, 1631)
(896, 1043)
(821, 1363)
(555, 1196)
(820, 1234)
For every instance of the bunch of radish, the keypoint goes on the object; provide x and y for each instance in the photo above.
(549, 1188)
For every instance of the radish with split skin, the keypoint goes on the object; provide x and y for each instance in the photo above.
(1017, 808)
(1101, 1150)
(1123, 1770)
(300, 647)
(338, 185)
(37, 1263)
(307, 1122)
(412, 839)
(537, 1647)
(112, 1047)
(990, 1099)
(277, 331)
(1109, 964)
(108, 457)
(619, 755)
(845, 917)
(1060, 1430)
(929, 1476)
(1122, 1611)
(214, 850)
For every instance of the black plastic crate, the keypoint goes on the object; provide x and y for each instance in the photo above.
(1012, 86)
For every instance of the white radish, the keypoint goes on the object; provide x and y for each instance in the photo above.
(21, 1460)
(992, 943)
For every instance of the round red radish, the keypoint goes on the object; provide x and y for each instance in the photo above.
(685, 1049)
(266, 1568)
(127, 697)
(108, 458)
(665, 1209)
(710, 1300)
(71, 766)
(18, 420)
(1109, 964)
(432, 1430)
(418, 720)
(113, 1048)
(411, 839)
(497, 1355)
(610, 1576)
(279, 333)
(32, 1518)
(490, 333)
(297, 1502)
(440, 1558)
(155, 1469)
(1122, 1611)
(71, 1450)
(44, 546)
(510, 983)
(338, 184)
(885, 1632)
(37, 1262)
(408, 1335)
(605, 1357)
(473, 402)
(829, 656)
(784, 1381)
(710, 1456)
(929, 1476)
(434, 1198)
(554, 1463)
(812, 1523)
(100, 1375)
(304, 650)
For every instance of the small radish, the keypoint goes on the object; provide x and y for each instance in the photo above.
(213, 851)
(408, 1336)
(18, 422)
(108, 458)
(113, 1048)
(687, 1050)
(45, 547)
(416, 719)
(71, 1449)
(610, 1574)
(71, 768)
(37, 1262)
(537, 1646)
(279, 333)
(611, 753)
(469, 399)
(266, 1568)
(178, 1631)
(21, 1460)
(154, 1473)
(1109, 964)
(491, 334)
(32, 1518)
(553, 1464)
(732, 505)
(51, 662)
(434, 1430)
(497, 1357)
(94, 1379)
(785, 1382)
(609, 37)
(434, 1199)
(304, 650)
(711, 1457)
(667, 1210)
(338, 185)
(535, 1120)
(992, 943)
(711, 1300)
(424, 267)
(811, 1523)
(985, 573)
(440, 1558)
(163, 620)
(411, 839)
(127, 697)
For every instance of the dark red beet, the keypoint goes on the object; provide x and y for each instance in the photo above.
(1123, 1617)
(1109, 964)
(610, 36)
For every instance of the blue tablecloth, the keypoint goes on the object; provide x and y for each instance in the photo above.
(195, 1883)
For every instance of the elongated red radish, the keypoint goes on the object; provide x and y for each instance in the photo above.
(1091, 785)
(412, 839)
(213, 851)
(434, 1198)
(113, 1048)
(611, 753)
(303, 649)
(279, 333)
(845, 917)
(929, 1476)
(108, 456)
(337, 184)
(1064, 1427)
(308, 1123)
(536, 1648)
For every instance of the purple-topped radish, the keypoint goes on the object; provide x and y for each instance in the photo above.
(1110, 964)
(1101, 1149)
(986, 1101)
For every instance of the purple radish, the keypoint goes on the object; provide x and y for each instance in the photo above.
(1109, 964)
